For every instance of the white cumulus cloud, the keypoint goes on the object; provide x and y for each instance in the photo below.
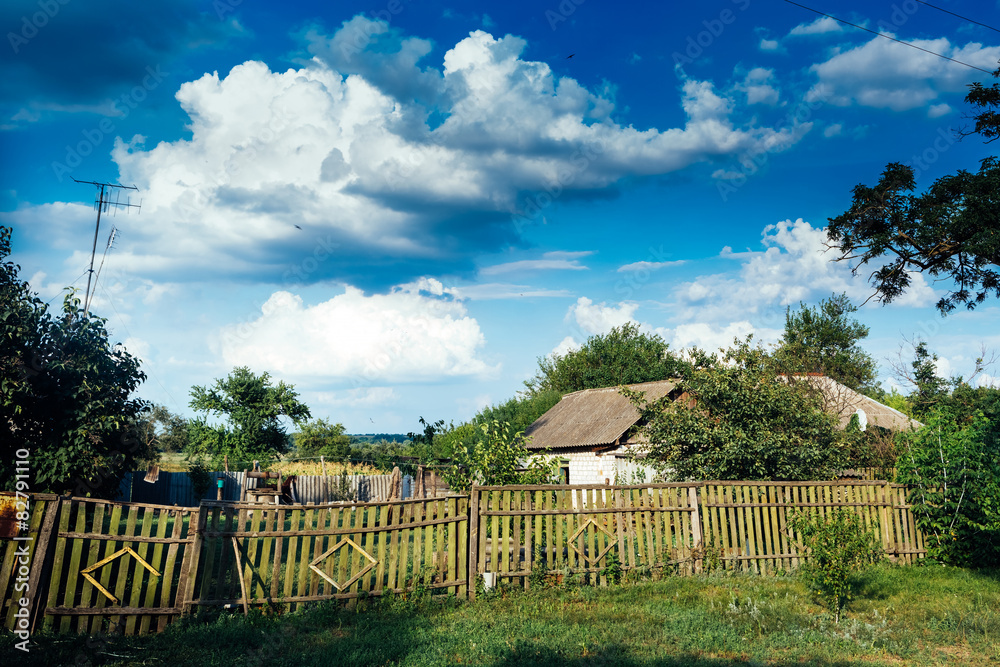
(793, 267)
(886, 75)
(403, 336)
(371, 151)
(822, 25)
(600, 318)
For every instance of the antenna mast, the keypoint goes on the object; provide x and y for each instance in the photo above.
(104, 204)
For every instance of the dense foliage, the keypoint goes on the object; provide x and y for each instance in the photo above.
(949, 231)
(826, 340)
(252, 406)
(321, 438)
(735, 418)
(953, 465)
(163, 430)
(66, 393)
(622, 356)
(521, 411)
(497, 457)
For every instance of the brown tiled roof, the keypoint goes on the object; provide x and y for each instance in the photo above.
(592, 417)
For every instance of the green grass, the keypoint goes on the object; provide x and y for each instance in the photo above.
(899, 616)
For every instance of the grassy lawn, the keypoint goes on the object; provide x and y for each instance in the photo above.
(900, 616)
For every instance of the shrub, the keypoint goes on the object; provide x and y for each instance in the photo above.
(839, 546)
(498, 458)
(953, 467)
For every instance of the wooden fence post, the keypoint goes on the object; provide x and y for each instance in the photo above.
(186, 593)
(41, 570)
(620, 521)
(696, 528)
(472, 566)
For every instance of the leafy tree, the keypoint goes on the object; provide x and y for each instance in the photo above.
(321, 438)
(930, 389)
(949, 231)
(953, 468)
(622, 356)
(735, 418)
(425, 446)
(825, 340)
(66, 394)
(252, 406)
(164, 430)
(840, 547)
(521, 411)
(382, 454)
(498, 457)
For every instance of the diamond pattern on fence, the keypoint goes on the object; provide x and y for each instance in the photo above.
(126, 550)
(586, 556)
(329, 552)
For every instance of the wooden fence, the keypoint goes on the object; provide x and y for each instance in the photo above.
(137, 567)
(572, 529)
(289, 555)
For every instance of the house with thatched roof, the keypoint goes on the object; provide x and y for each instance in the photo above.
(592, 430)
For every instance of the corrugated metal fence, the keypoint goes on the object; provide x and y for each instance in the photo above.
(175, 488)
(364, 488)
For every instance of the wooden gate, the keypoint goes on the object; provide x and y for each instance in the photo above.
(293, 554)
(117, 566)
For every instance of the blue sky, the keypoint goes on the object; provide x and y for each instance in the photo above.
(399, 206)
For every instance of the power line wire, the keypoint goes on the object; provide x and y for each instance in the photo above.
(964, 18)
(880, 34)
(49, 302)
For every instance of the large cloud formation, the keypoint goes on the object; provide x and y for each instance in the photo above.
(390, 169)
(417, 332)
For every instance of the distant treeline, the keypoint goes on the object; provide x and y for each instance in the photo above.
(358, 438)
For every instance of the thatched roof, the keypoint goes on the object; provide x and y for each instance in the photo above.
(592, 417)
(601, 418)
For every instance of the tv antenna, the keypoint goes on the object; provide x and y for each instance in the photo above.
(101, 204)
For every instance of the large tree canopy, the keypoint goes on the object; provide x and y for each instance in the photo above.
(66, 394)
(825, 340)
(321, 438)
(622, 356)
(737, 419)
(951, 231)
(253, 407)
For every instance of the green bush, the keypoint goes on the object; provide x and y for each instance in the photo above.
(840, 546)
(953, 467)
